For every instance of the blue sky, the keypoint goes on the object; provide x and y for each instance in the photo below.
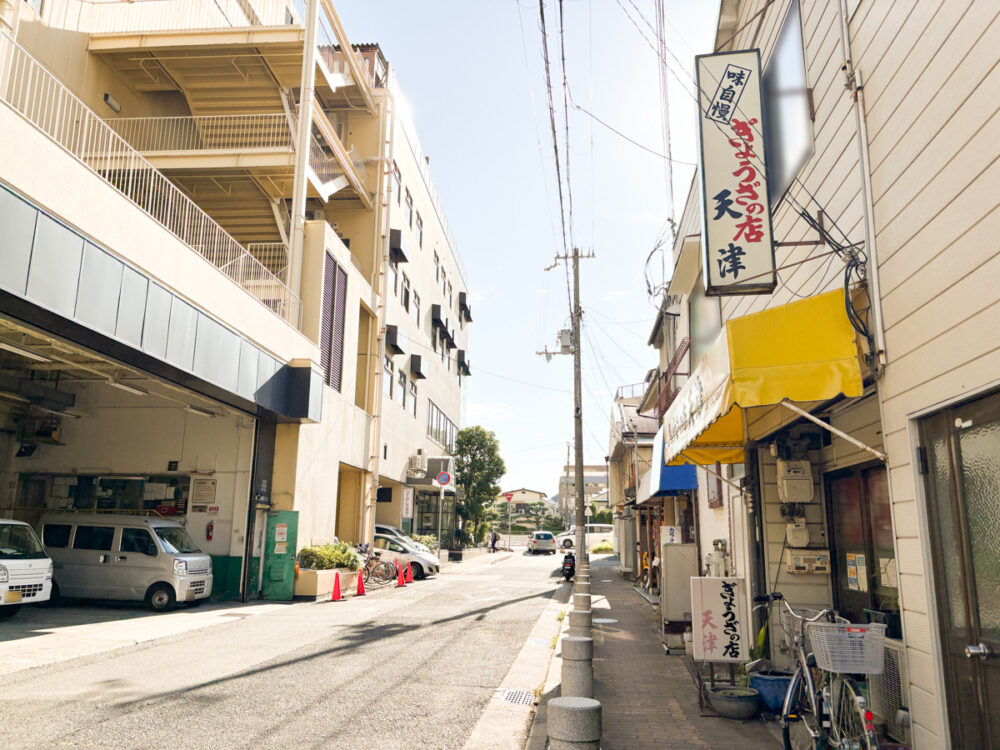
(473, 75)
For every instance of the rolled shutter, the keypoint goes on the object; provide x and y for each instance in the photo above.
(339, 320)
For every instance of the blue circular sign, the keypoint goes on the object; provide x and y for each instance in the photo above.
(444, 478)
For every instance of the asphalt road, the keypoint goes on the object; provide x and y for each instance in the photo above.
(410, 668)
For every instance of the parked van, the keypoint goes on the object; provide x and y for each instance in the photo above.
(25, 569)
(596, 533)
(106, 556)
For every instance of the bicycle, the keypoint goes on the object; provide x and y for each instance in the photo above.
(373, 568)
(824, 706)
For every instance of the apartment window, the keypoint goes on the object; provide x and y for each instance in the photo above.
(450, 305)
(404, 296)
(401, 388)
(409, 210)
(415, 307)
(420, 231)
(332, 323)
(444, 282)
(397, 183)
(394, 277)
(440, 429)
(413, 397)
(437, 268)
(36, 5)
(387, 378)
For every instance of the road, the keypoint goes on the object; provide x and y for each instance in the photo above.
(410, 668)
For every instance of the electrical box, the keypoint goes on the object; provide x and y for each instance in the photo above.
(807, 560)
(797, 534)
(795, 481)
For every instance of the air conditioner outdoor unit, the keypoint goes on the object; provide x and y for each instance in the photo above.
(888, 692)
(417, 465)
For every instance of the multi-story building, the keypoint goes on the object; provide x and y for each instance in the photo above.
(595, 480)
(200, 237)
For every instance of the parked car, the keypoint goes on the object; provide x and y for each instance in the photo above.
(542, 541)
(394, 548)
(25, 569)
(103, 556)
(381, 528)
(596, 533)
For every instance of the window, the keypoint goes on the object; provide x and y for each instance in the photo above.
(94, 537)
(36, 5)
(397, 183)
(56, 534)
(437, 267)
(176, 540)
(409, 210)
(415, 307)
(444, 282)
(387, 377)
(401, 388)
(420, 231)
(394, 277)
(715, 487)
(137, 540)
(413, 397)
(450, 305)
(404, 295)
(440, 429)
(334, 316)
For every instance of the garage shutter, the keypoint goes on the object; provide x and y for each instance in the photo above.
(326, 323)
(339, 320)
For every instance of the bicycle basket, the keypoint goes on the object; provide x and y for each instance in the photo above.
(792, 626)
(848, 648)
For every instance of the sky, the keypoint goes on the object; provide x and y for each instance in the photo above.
(473, 75)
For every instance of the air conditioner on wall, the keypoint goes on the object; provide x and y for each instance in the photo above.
(888, 692)
(417, 464)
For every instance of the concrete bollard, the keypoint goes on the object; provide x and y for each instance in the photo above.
(580, 623)
(581, 601)
(574, 724)
(582, 587)
(578, 667)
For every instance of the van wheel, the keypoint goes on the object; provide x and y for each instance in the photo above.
(9, 611)
(161, 597)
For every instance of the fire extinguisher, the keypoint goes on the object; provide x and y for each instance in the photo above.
(210, 530)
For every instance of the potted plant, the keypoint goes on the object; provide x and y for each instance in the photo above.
(319, 565)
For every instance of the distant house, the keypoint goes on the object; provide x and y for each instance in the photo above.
(520, 500)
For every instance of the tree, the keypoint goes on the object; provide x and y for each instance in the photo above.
(478, 469)
(537, 512)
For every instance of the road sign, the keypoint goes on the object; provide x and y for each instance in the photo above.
(444, 478)
(509, 496)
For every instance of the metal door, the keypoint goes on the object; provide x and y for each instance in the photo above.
(960, 456)
(279, 555)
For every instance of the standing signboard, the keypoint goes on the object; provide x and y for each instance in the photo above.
(737, 241)
(718, 624)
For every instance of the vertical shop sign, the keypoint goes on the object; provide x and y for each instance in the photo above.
(737, 242)
(407, 510)
(718, 625)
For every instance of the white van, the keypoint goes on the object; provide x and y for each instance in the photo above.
(25, 569)
(596, 533)
(105, 556)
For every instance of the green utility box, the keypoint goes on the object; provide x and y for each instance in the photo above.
(279, 555)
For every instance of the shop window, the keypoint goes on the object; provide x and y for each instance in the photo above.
(56, 534)
(94, 537)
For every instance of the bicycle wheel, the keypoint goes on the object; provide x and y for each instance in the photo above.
(800, 727)
(384, 572)
(850, 717)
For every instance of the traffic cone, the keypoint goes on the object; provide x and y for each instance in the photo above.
(400, 583)
(361, 583)
(409, 572)
(335, 597)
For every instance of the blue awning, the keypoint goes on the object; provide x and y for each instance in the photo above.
(665, 480)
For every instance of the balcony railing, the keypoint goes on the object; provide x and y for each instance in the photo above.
(253, 132)
(634, 390)
(274, 256)
(38, 96)
(127, 16)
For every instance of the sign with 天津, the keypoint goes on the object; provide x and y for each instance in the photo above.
(718, 625)
(737, 242)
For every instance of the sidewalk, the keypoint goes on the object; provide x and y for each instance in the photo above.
(648, 698)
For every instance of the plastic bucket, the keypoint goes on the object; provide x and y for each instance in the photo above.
(772, 687)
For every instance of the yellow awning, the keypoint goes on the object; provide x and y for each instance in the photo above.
(803, 351)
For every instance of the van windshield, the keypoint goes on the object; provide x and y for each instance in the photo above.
(176, 541)
(19, 542)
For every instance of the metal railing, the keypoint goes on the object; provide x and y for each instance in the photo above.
(38, 96)
(632, 390)
(252, 132)
(274, 256)
(126, 16)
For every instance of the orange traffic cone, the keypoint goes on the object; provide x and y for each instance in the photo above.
(335, 597)
(409, 572)
(361, 583)
(400, 583)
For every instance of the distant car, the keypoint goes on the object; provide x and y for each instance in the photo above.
(394, 549)
(542, 541)
(386, 530)
(596, 533)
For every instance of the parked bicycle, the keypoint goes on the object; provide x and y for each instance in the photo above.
(373, 568)
(824, 706)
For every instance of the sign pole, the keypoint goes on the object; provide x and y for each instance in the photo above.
(440, 514)
(508, 525)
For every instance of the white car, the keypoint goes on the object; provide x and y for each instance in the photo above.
(381, 528)
(394, 549)
(25, 569)
(542, 541)
(596, 533)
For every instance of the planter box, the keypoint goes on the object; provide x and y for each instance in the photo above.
(317, 585)
(458, 555)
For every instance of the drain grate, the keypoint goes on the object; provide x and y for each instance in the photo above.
(519, 697)
(540, 642)
(603, 621)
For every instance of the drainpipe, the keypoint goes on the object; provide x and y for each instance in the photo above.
(856, 87)
(302, 139)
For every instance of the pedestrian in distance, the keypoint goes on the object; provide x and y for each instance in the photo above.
(494, 537)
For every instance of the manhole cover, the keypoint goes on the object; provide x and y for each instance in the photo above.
(603, 620)
(519, 697)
